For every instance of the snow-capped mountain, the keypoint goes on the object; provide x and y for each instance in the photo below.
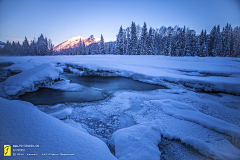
(74, 42)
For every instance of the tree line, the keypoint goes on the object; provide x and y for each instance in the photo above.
(177, 41)
(41, 47)
(137, 40)
(168, 41)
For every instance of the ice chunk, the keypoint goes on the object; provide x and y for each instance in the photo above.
(66, 85)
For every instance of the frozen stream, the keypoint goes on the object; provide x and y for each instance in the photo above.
(95, 88)
(194, 124)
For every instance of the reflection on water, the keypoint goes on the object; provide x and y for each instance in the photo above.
(51, 96)
(108, 83)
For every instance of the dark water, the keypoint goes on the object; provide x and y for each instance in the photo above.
(109, 83)
(5, 64)
(5, 73)
(51, 96)
(97, 84)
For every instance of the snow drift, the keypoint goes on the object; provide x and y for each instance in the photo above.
(30, 79)
(187, 112)
(223, 149)
(23, 124)
(138, 142)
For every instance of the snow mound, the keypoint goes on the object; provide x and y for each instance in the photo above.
(222, 149)
(66, 85)
(187, 112)
(28, 80)
(21, 66)
(23, 124)
(63, 113)
(138, 142)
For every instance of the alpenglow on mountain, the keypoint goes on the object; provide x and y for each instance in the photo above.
(74, 42)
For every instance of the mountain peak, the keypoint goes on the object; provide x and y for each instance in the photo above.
(74, 42)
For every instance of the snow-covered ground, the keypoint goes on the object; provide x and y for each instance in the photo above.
(174, 123)
(206, 73)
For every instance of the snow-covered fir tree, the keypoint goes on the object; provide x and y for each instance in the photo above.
(84, 51)
(143, 40)
(102, 48)
(41, 46)
(236, 43)
(120, 42)
(150, 42)
(25, 46)
(133, 41)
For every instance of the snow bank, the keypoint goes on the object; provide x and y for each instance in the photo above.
(62, 114)
(138, 142)
(187, 112)
(222, 150)
(30, 79)
(21, 124)
(22, 66)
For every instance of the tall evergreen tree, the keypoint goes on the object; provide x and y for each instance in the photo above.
(19, 49)
(150, 42)
(168, 43)
(25, 46)
(128, 41)
(236, 43)
(102, 48)
(13, 48)
(213, 42)
(7, 48)
(41, 45)
(143, 41)
(80, 47)
(134, 41)
(120, 42)
(226, 36)
(218, 42)
(84, 51)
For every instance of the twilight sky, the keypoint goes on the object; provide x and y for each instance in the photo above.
(60, 20)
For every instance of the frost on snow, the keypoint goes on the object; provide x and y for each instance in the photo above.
(30, 79)
(138, 142)
(222, 149)
(187, 112)
(23, 124)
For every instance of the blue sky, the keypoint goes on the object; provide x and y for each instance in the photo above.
(60, 20)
